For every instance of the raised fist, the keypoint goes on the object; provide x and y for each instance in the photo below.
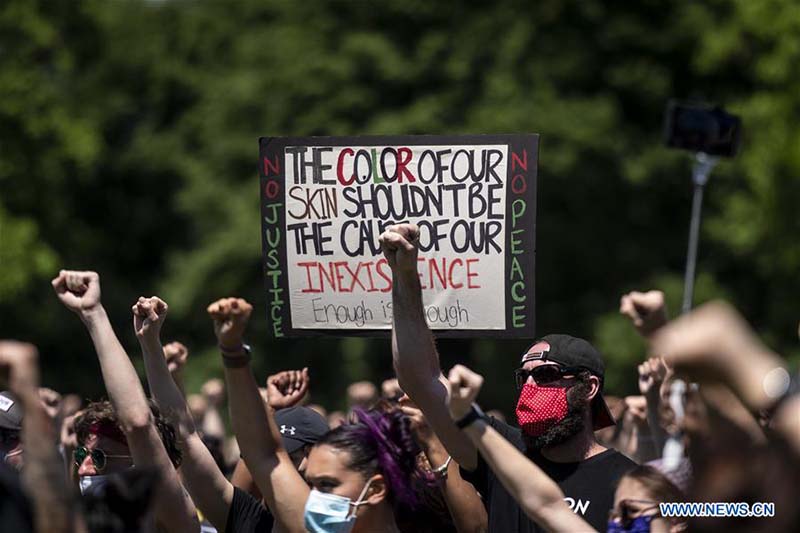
(287, 388)
(197, 407)
(651, 375)
(636, 410)
(464, 388)
(399, 245)
(148, 317)
(79, 291)
(213, 391)
(419, 425)
(51, 401)
(20, 361)
(362, 394)
(230, 316)
(646, 310)
(176, 355)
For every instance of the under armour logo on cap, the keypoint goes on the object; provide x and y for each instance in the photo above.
(291, 430)
(537, 351)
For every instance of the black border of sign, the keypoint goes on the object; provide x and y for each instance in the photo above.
(271, 194)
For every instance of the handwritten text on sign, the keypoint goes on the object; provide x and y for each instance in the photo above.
(339, 199)
(326, 200)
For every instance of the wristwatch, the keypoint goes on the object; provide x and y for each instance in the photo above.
(475, 413)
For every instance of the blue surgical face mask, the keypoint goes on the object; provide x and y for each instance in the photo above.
(92, 484)
(329, 513)
(640, 524)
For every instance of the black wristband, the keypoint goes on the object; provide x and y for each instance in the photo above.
(474, 414)
(236, 361)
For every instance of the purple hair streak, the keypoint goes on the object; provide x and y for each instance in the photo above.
(382, 442)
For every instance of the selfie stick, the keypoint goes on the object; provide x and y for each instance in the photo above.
(703, 165)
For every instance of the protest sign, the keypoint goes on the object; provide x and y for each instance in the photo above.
(326, 200)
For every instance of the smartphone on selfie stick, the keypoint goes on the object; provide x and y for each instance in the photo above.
(709, 132)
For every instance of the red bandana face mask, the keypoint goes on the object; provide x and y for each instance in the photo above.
(540, 408)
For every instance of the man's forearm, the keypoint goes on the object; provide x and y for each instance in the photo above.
(121, 381)
(163, 387)
(173, 509)
(658, 433)
(206, 484)
(417, 366)
(413, 347)
(262, 450)
(538, 495)
(257, 434)
(462, 500)
(43, 473)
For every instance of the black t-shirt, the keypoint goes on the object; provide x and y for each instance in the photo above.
(247, 515)
(588, 486)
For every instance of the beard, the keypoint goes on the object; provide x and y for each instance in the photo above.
(570, 425)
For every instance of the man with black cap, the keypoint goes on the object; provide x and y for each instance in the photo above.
(10, 427)
(560, 382)
(301, 428)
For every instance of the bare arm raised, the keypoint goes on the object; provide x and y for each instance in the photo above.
(42, 474)
(209, 489)
(416, 361)
(80, 293)
(284, 490)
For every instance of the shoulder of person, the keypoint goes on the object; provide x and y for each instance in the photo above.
(611, 460)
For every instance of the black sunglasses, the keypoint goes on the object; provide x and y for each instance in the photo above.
(99, 457)
(544, 374)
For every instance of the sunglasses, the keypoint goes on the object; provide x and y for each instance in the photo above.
(543, 374)
(626, 513)
(99, 457)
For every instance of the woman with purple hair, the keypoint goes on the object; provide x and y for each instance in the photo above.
(355, 476)
(359, 472)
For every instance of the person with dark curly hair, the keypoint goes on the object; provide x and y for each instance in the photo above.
(99, 423)
(125, 432)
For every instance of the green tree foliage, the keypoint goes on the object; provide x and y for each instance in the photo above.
(128, 144)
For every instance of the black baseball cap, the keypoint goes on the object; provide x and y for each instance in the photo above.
(572, 351)
(300, 426)
(10, 411)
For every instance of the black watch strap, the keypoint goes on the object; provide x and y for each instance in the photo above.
(475, 413)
